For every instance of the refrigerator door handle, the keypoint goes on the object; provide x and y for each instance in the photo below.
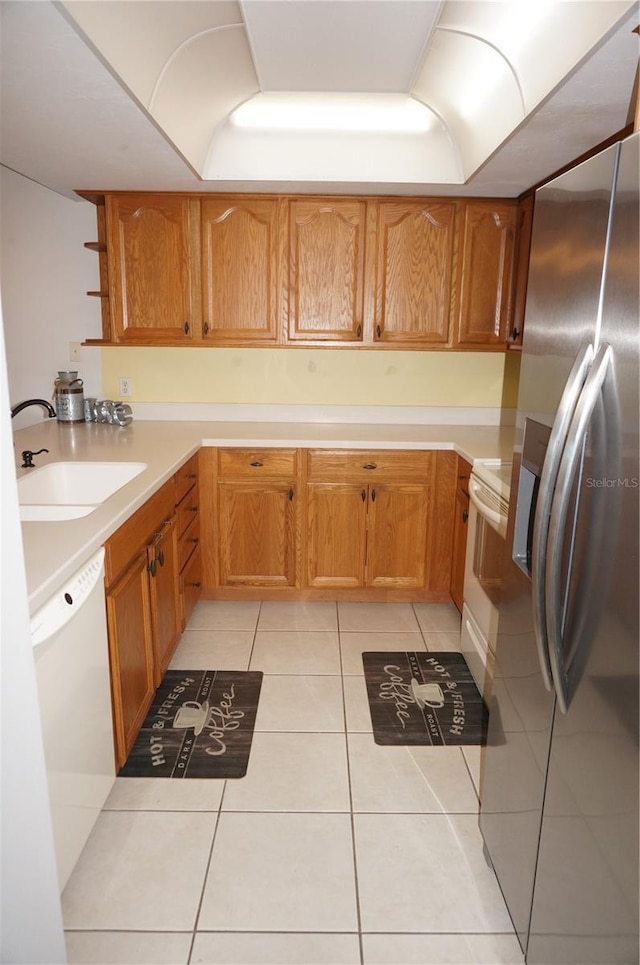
(555, 448)
(560, 508)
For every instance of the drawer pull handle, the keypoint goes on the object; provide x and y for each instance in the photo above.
(193, 509)
(256, 464)
(463, 476)
(194, 539)
(191, 475)
(196, 585)
(370, 465)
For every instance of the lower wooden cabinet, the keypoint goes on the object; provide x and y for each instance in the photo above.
(257, 533)
(460, 528)
(143, 611)
(336, 531)
(130, 653)
(372, 535)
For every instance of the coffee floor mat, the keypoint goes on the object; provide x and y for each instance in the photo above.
(200, 724)
(423, 698)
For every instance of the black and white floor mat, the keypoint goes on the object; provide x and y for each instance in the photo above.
(423, 698)
(200, 725)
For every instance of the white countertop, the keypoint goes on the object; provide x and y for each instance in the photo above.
(55, 550)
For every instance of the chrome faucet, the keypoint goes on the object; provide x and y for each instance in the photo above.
(43, 402)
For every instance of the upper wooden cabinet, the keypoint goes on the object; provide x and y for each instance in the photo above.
(240, 269)
(151, 239)
(415, 260)
(521, 270)
(326, 270)
(486, 275)
(252, 270)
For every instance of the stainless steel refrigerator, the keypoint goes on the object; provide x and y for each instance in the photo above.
(559, 776)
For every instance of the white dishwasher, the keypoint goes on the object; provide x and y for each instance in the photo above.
(69, 635)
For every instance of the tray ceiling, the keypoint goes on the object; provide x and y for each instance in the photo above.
(122, 81)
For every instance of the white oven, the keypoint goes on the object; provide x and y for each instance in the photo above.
(486, 545)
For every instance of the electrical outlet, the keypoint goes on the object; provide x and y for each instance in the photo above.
(75, 349)
(126, 387)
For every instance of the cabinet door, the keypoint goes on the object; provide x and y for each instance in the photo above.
(414, 271)
(257, 533)
(460, 529)
(337, 517)
(326, 270)
(486, 280)
(164, 595)
(521, 270)
(131, 654)
(152, 268)
(240, 269)
(397, 535)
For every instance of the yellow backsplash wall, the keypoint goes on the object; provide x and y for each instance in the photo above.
(312, 376)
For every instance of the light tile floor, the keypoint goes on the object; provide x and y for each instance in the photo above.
(331, 851)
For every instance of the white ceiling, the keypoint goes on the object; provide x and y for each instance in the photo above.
(339, 45)
(69, 120)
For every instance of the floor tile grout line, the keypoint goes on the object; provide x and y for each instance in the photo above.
(468, 767)
(351, 817)
(204, 884)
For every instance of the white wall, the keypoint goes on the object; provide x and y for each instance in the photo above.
(45, 272)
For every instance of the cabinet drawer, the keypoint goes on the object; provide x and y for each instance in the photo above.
(334, 465)
(252, 463)
(187, 510)
(186, 477)
(133, 535)
(188, 542)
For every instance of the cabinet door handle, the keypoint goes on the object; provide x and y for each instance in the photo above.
(196, 585)
(193, 509)
(152, 567)
(465, 515)
(363, 495)
(161, 557)
(373, 495)
(194, 539)
(257, 464)
(206, 328)
(186, 328)
(359, 331)
(463, 476)
(370, 465)
(290, 494)
(378, 331)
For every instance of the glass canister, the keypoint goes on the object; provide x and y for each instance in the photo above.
(68, 394)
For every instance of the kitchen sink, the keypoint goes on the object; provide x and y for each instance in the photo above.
(70, 490)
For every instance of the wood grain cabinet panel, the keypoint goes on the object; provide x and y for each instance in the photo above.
(337, 519)
(130, 654)
(164, 595)
(486, 281)
(326, 270)
(240, 269)
(397, 535)
(460, 531)
(257, 534)
(152, 242)
(521, 270)
(415, 271)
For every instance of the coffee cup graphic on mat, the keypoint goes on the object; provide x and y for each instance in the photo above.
(427, 695)
(192, 714)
